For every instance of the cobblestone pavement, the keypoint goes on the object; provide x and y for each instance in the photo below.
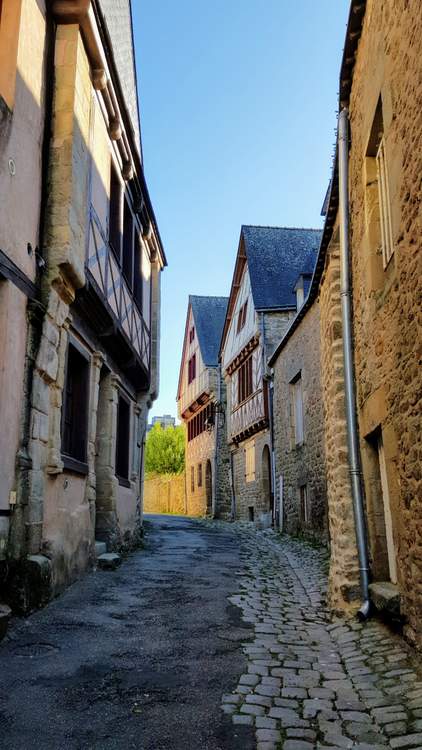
(313, 682)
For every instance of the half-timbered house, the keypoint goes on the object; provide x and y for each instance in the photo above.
(261, 303)
(88, 362)
(201, 406)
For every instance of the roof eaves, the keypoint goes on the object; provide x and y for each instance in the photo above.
(330, 207)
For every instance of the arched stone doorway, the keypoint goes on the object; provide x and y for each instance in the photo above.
(266, 479)
(208, 486)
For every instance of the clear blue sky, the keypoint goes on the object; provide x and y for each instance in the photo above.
(238, 106)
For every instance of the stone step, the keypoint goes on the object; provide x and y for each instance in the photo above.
(109, 561)
(100, 548)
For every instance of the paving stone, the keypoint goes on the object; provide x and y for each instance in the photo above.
(259, 700)
(249, 679)
(231, 698)
(242, 719)
(268, 690)
(408, 740)
(268, 735)
(301, 734)
(298, 745)
(264, 722)
(252, 710)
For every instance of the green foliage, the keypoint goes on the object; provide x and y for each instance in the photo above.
(165, 450)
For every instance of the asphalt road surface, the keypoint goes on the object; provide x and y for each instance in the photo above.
(135, 658)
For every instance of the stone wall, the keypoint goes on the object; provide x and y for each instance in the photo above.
(199, 451)
(165, 494)
(21, 133)
(302, 464)
(252, 497)
(386, 302)
(344, 582)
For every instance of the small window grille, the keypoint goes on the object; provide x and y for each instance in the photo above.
(384, 204)
(192, 479)
(199, 475)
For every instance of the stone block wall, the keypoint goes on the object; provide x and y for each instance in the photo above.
(21, 133)
(344, 581)
(165, 494)
(199, 451)
(301, 464)
(252, 494)
(386, 302)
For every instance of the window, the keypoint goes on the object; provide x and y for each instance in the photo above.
(250, 461)
(244, 382)
(241, 319)
(114, 221)
(191, 334)
(127, 260)
(198, 423)
(10, 13)
(378, 205)
(122, 439)
(75, 405)
(296, 395)
(137, 269)
(304, 507)
(384, 204)
(192, 479)
(192, 369)
(199, 482)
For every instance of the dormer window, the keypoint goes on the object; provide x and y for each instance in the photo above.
(241, 320)
(192, 334)
(192, 369)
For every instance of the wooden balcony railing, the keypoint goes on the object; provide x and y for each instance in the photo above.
(117, 297)
(199, 386)
(249, 414)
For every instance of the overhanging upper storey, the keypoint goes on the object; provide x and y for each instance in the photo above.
(124, 252)
(198, 369)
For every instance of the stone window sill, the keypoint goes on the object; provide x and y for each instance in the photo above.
(123, 482)
(72, 464)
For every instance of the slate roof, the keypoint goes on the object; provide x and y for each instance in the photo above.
(209, 314)
(276, 257)
(118, 17)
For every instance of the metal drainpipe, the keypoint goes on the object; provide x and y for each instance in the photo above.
(350, 396)
(270, 408)
(216, 430)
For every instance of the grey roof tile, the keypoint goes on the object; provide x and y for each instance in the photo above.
(209, 314)
(117, 15)
(276, 256)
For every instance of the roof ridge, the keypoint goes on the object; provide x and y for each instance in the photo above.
(272, 226)
(208, 296)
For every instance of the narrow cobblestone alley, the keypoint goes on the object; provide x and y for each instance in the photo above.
(312, 682)
(214, 637)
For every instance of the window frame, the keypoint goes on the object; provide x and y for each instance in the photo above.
(123, 477)
(71, 461)
(298, 414)
(387, 244)
(245, 380)
(241, 318)
(199, 475)
(192, 368)
(305, 515)
(250, 461)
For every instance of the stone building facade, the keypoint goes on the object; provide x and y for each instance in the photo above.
(299, 452)
(382, 91)
(261, 304)
(201, 403)
(87, 363)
